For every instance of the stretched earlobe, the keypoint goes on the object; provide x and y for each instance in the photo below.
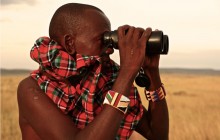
(69, 44)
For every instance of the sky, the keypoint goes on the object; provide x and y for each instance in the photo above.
(193, 27)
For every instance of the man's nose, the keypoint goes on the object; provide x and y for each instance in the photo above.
(109, 51)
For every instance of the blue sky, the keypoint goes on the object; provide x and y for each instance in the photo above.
(193, 28)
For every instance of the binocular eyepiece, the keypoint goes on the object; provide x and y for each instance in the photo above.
(156, 44)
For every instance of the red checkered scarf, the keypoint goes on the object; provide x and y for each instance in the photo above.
(84, 100)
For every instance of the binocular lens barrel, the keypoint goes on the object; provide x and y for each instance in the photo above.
(156, 44)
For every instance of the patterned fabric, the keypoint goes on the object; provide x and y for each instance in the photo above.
(78, 86)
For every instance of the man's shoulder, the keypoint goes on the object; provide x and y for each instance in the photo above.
(26, 84)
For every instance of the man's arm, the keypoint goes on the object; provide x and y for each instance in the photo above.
(154, 124)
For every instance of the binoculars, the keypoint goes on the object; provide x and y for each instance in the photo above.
(156, 44)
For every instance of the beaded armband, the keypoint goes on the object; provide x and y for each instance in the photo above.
(156, 95)
(117, 100)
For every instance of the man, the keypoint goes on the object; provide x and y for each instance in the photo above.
(78, 76)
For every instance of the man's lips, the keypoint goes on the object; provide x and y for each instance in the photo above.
(107, 51)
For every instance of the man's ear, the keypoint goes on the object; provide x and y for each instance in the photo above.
(69, 44)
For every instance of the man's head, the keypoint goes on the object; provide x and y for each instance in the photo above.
(79, 28)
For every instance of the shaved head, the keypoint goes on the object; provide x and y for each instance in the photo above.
(67, 19)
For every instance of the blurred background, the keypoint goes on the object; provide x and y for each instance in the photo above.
(192, 26)
(191, 70)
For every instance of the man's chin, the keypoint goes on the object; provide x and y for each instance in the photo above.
(106, 61)
(106, 64)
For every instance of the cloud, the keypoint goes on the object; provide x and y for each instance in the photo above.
(12, 2)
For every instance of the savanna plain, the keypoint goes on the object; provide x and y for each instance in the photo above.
(193, 100)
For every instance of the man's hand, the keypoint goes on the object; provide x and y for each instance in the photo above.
(151, 69)
(132, 46)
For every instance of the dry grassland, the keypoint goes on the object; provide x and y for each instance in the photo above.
(193, 101)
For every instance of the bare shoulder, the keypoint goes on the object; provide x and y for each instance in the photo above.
(39, 112)
(28, 84)
(27, 87)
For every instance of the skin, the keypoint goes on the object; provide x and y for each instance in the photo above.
(39, 118)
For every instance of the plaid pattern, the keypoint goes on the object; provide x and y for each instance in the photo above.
(84, 100)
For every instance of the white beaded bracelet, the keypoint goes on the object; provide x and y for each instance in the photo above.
(117, 101)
